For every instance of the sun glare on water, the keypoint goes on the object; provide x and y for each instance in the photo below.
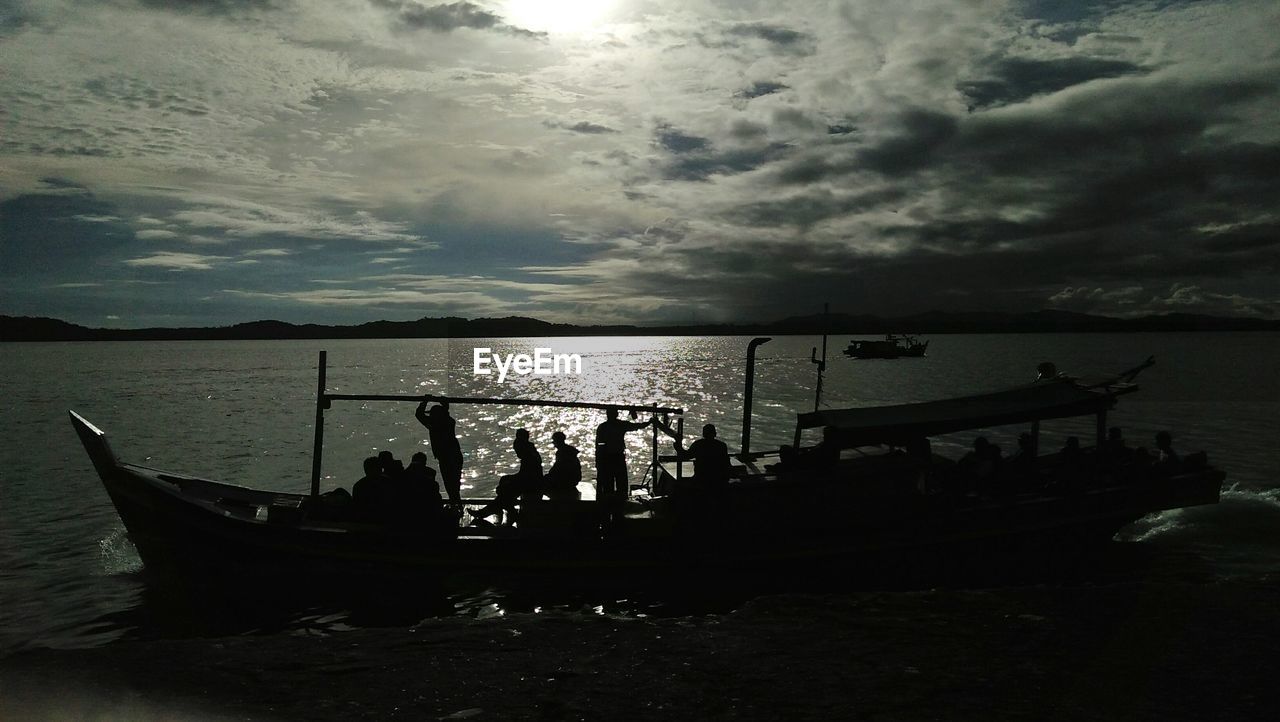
(557, 16)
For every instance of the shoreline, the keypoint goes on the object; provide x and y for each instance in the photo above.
(1120, 651)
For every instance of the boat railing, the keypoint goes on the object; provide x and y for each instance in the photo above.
(660, 415)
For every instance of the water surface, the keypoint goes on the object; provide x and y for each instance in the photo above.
(243, 412)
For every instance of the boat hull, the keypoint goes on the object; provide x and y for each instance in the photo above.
(192, 527)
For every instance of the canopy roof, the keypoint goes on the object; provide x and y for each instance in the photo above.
(1042, 400)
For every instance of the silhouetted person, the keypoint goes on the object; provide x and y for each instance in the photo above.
(1026, 453)
(526, 482)
(611, 456)
(827, 453)
(561, 482)
(1166, 458)
(419, 494)
(442, 431)
(392, 467)
(1047, 371)
(710, 460)
(982, 464)
(1071, 455)
(1114, 451)
(1071, 476)
(920, 454)
(374, 495)
(1020, 466)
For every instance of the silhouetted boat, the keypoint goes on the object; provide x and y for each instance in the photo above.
(857, 503)
(893, 346)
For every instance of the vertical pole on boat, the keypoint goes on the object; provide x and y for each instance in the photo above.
(657, 470)
(822, 365)
(680, 445)
(749, 392)
(319, 443)
(1035, 444)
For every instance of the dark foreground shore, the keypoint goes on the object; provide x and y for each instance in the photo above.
(1117, 651)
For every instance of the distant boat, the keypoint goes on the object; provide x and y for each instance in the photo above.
(893, 346)
(870, 498)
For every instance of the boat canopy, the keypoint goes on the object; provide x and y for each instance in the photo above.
(1054, 399)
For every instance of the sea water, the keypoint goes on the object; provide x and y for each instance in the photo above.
(244, 411)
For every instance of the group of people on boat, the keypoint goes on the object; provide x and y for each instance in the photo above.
(986, 471)
(390, 492)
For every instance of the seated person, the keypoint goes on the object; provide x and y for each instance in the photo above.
(1167, 460)
(920, 453)
(1021, 465)
(527, 481)
(1071, 456)
(1114, 451)
(374, 495)
(825, 455)
(710, 460)
(392, 467)
(419, 494)
(980, 466)
(561, 482)
(1071, 474)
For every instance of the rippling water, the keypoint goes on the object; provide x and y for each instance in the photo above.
(243, 412)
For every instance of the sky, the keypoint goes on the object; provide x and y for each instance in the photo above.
(208, 162)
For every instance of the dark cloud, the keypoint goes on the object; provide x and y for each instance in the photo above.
(13, 17)
(1245, 239)
(582, 127)
(65, 230)
(696, 159)
(760, 88)
(701, 166)
(448, 17)
(919, 137)
(777, 35)
(1012, 80)
(215, 7)
(756, 36)
(677, 142)
(916, 141)
(1086, 10)
(806, 210)
(136, 94)
(1123, 187)
(744, 130)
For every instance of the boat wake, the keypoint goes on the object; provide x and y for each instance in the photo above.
(118, 554)
(1239, 537)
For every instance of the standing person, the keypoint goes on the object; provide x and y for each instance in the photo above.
(561, 482)
(442, 431)
(611, 456)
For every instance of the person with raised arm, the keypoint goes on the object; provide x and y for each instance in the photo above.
(443, 434)
(611, 456)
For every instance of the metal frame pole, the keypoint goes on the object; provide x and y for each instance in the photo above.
(749, 392)
(318, 449)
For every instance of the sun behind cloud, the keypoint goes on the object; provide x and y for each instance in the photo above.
(558, 16)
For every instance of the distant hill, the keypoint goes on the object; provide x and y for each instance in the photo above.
(23, 328)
